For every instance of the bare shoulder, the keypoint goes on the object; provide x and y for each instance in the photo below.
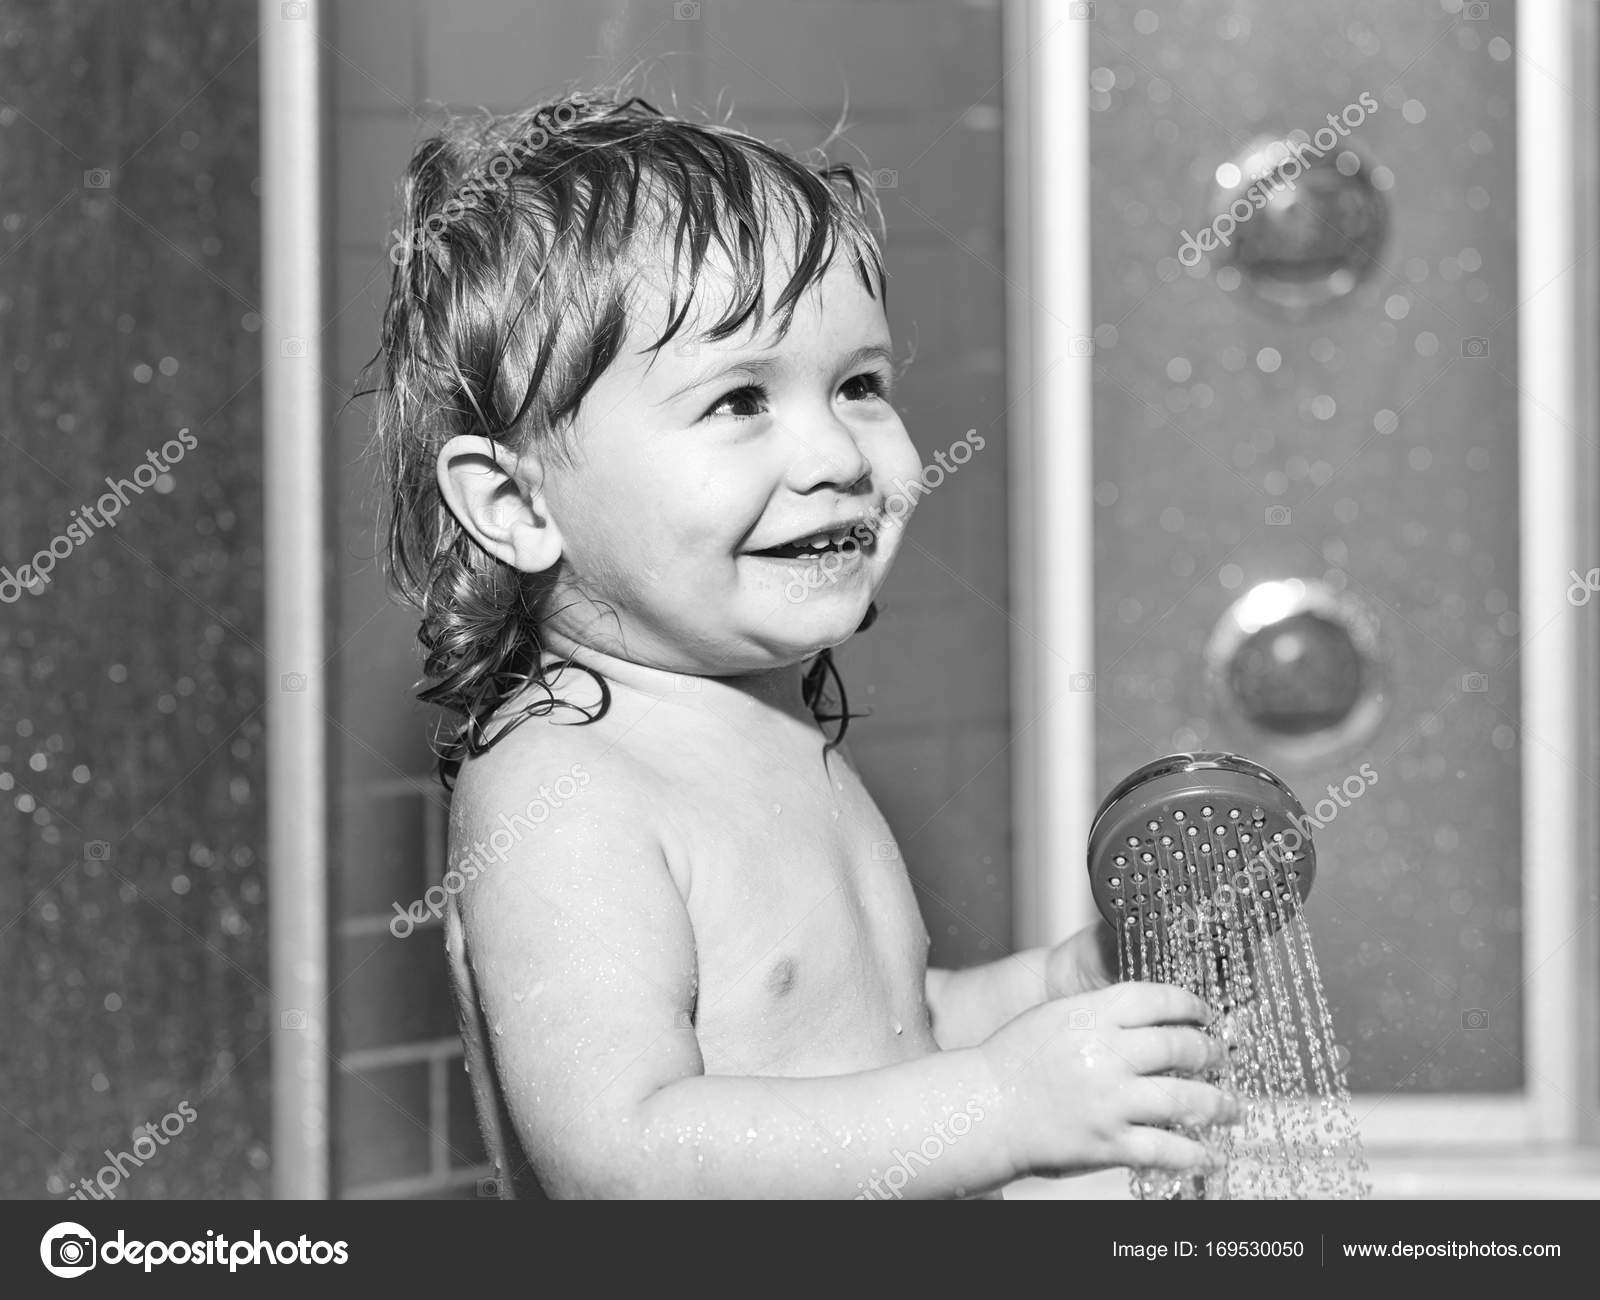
(552, 803)
(570, 918)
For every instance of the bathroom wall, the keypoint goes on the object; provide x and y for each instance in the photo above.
(922, 86)
(132, 953)
(1247, 433)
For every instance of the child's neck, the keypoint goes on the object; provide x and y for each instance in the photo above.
(778, 688)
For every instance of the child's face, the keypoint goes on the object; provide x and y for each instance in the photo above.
(691, 463)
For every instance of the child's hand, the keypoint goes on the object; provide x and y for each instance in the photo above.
(1083, 1086)
(1085, 962)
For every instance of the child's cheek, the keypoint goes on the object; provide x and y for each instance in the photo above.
(900, 457)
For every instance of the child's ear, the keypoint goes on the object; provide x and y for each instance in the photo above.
(494, 494)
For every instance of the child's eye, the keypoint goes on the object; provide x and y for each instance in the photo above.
(745, 403)
(869, 384)
(751, 400)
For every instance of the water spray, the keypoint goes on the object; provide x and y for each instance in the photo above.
(1201, 863)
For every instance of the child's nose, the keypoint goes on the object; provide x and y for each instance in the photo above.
(826, 454)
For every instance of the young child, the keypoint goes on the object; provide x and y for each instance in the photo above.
(636, 424)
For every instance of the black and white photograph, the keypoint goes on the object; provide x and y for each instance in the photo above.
(876, 600)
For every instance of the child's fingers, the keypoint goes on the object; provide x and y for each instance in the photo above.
(1168, 1049)
(1156, 1148)
(1179, 1101)
(1137, 1004)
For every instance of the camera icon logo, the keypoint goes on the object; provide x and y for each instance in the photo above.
(1475, 347)
(295, 9)
(885, 178)
(685, 11)
(1080, 346)
(293, 682)
(1080, 1018)
(293, 1019)
(1475, 11)
(489, 1187)
(885, 851)
(1278, 516)
(1081, 682)
(67, 1250)
(97, 851)
(97, 178)
(1080, 9)
(1474, 1019)
(1474, 683)
(293, 348)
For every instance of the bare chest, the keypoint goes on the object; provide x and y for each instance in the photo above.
(811, 950)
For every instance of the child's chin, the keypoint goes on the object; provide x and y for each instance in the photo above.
(829, 623)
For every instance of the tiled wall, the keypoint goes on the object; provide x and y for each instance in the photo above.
(922, 81)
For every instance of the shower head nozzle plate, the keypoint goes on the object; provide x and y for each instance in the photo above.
(1195, 832)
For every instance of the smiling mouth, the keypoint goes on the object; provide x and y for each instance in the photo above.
(815, 546)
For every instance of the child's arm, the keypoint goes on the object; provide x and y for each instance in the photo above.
(585, 959)
(969, 1005)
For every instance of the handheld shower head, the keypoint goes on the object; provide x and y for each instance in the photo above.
(1205, 833)
(1200, 863)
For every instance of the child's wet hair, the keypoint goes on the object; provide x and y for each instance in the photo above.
(520, 242)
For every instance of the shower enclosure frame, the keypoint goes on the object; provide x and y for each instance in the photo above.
(1051, 326)
(295, 440)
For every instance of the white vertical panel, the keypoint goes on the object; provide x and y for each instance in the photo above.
(1052, 486)
(1550, 278)
(292, 232)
